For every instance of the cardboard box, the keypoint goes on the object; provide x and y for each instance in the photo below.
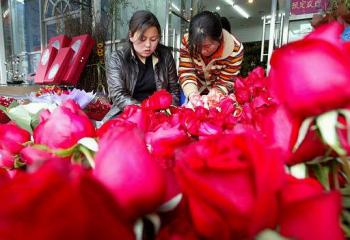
(59, 66)
(59, 41)
(46, 59)
(82, 46)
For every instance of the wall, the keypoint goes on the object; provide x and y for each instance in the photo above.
(250, 34)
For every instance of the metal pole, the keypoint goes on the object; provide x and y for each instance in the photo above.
(174, 41)
(2, 53)
(96, 11)
(42, 26)
(272, 31)
(286, 23)
(263, 40)
(163, 33)
(177, 59)
(166, 35)
(281, 30)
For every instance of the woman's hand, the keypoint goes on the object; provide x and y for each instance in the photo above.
(214, 97)
(195, 99)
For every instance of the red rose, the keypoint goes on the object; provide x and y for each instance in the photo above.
(64, 127)
(57, 202)
(166, 139)
(13, 137)
(7, 160)
(308, 212)
(281, 130)
(311, 76)
(110, 124)
(127, 169)
(231, 183)
(310, 148)
(200, 123)
(161, 99)
(34, 157)
(177, 225)
(137, 115)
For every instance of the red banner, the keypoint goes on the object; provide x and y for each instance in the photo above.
(308, 6)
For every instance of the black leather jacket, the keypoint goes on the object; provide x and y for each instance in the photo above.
(122, 71)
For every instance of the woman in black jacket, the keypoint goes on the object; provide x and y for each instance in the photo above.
(141, 67)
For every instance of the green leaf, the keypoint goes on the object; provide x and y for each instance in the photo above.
(346, 216)
(346, 114)
(89, 143)
(18, 163)
(66, 152)
(327, 124)
(269, 234)
(35, 120)
(3, 108)
(346, 230)
(345, 191)
(155, 220)
(88, 155)
(299, 171)
(13, 104)
(304, 128)
(35, 108)
(320, 159)
(21, 117)
(322, 174)
(138, 229)
(171, 204)
(346, 203)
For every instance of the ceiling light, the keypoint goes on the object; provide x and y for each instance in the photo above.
(230, 2)
(250, 1)
(241, 11)
(218, 8)
(175, 7)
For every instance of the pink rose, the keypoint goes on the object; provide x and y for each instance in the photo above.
(13, 137)
(34, 157)
(64, 127)
(7, 160)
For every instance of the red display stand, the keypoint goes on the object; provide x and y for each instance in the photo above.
(47, 57)
(59, 66)
(82, 46)
(59, 41)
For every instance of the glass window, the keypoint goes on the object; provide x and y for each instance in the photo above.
(21, 23)
(6, 15)
(121, 11)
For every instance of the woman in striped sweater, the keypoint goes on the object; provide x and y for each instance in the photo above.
(210, 59)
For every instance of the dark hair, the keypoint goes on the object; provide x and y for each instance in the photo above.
(225, 24)
(141, 21)
(203, 25)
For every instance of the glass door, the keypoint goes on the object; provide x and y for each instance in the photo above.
(180, 12)
(21, 35)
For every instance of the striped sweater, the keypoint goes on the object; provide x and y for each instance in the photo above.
(196, 76)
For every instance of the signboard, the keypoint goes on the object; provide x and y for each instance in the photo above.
(299, 7)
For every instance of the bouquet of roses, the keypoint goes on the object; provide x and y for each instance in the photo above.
(5, 102)
(273, 163)
(97, 109)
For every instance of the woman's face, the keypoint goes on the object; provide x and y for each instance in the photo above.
(209, 47)
(146, 44)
